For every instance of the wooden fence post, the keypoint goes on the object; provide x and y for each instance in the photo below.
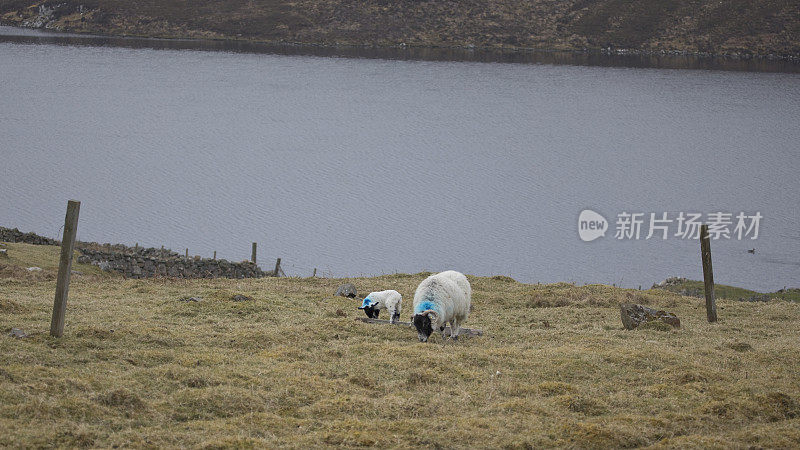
(215, 255)
(277, 267)
(253, 258)
(315, 273)
(64, 268)
(708, 274)
(187, 253)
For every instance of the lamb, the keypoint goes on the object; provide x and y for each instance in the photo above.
(441, 298)
(376, 301)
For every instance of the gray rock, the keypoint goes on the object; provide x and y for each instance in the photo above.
(634, 315)
(240, 298)
(347, 290)
(3, 253)
(191, 299)
(17, 333)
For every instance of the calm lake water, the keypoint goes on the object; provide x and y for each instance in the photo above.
(369, 166)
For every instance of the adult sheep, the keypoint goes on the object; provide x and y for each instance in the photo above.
(439, 299)
(388, 300)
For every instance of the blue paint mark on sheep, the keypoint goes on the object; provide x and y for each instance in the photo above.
(424, 306)
(367, 302)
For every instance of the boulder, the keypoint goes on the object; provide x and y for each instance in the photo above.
(347, 290)
(634, 315)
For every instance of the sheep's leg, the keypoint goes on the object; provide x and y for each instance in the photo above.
(454, 329)
(394, 316)
(375, 314)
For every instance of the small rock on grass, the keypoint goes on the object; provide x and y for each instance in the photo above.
(634, 315)
(191, 299)
(3, 253)
(17, 333)
(347, 290)
(241, 298)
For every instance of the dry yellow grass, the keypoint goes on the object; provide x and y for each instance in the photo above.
(138, 367)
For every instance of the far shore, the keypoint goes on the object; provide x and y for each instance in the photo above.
(465, 53)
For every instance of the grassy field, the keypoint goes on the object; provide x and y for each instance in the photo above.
(139, 367)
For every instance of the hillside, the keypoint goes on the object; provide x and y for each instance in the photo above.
(734, 27)
(139, 367)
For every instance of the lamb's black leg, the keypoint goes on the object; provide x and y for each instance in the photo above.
(376, 313)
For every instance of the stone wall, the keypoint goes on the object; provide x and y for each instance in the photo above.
(14, 235)
(140, 262)
(133, 265)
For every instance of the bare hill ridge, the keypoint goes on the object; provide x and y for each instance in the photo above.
(739, 27)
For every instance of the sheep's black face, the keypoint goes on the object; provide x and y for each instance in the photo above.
(424, 327)
(371, 312)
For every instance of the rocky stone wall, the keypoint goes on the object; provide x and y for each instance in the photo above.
(139, 262)
(139, 266)
(14, 235)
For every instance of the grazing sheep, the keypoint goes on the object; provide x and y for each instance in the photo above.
(441, 298)
(376, 301)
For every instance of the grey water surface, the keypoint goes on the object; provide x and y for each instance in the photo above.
(367, 166)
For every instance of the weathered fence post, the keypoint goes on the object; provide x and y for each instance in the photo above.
(65, 268)
(315, 273)
(215, 255)
(708, 274)
(253, 258)
(187, 253)
(277, 268)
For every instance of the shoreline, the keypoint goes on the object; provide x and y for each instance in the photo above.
(501, 50)
(610, 58)
(127, 258)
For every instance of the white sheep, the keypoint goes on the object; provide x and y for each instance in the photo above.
(376, 301)
(439, 299)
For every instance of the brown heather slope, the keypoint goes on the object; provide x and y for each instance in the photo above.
(745, 27)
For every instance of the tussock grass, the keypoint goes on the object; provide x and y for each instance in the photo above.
(138, 367)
